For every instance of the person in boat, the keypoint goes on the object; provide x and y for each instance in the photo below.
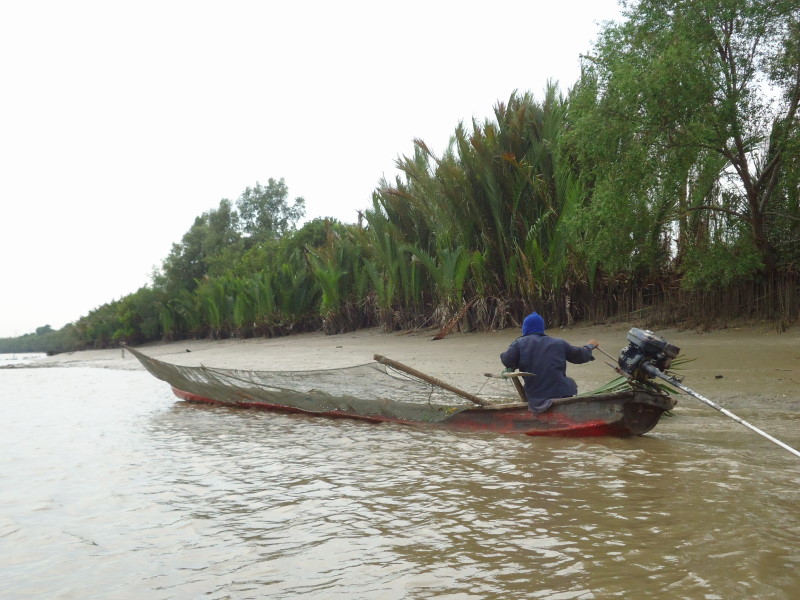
(546, 357)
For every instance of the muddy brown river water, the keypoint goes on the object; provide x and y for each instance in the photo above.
(110, 488)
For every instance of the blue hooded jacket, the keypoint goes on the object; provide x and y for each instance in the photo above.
(547, 358)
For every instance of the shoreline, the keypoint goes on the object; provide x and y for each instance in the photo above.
(738, 362)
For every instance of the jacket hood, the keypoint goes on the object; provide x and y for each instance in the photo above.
(533, 323)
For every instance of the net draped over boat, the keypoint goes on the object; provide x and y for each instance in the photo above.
(371, 389)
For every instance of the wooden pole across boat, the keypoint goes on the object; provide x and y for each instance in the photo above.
(432, 380)
(514, 376)
(520, 389)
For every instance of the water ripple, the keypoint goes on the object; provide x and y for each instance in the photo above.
(110, 488)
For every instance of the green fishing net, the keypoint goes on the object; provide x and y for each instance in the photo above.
(370, 389)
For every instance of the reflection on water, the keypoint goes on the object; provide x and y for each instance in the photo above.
(19, 358)
(111, 488)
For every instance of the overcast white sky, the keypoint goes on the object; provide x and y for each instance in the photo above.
(120, 122)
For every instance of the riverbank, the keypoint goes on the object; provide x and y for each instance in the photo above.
(735, 363)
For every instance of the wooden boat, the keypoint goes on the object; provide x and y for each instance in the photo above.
(409, 399)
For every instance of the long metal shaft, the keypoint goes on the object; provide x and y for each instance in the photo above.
(672, 381)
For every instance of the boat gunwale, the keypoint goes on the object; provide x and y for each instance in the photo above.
(618, 395)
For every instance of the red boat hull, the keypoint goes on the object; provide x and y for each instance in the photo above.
(619, 414)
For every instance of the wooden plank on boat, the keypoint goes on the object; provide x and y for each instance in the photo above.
(514, 374)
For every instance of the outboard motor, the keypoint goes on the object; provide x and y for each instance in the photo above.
(647, 356)
(644, 352)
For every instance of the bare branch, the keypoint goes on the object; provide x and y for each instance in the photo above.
(728, 211)
(786, 242)
(782, 215)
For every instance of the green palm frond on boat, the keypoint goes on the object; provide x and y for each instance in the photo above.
(623, 383)
(615, 385)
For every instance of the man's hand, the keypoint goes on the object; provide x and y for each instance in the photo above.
(593, 344)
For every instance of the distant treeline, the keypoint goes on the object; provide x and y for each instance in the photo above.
(665, 185)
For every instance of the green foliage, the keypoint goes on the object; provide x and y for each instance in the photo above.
(783, 222)
(208, 245)
(720, 264)
(265, 213)
(679, 95)
(50, 341)
(674, 158)
(332, 262)
(179, 315)
(493, 216)
(297, 292)
(216, 304)
(220, 238)
(138, 316)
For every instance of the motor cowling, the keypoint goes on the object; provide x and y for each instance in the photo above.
(645, 348)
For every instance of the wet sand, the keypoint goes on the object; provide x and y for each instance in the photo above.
(729, 364)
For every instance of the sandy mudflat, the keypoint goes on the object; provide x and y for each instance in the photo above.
(738, 362)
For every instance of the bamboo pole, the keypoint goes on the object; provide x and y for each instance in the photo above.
(427, 378)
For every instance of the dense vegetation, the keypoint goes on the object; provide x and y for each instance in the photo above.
(666, 183)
